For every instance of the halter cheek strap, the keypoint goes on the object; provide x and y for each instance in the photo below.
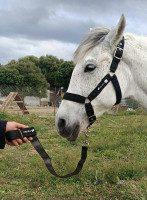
(103, 83)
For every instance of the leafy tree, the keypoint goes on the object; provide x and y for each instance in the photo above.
(57, 71)
(24, 73)
(32, 59)
(31, 72)
(10, 76)
(63, 75)
(49, 66)
(11, 62)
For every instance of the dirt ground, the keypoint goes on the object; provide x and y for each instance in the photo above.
(43, 111)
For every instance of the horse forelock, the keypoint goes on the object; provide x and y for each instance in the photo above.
(92, 39)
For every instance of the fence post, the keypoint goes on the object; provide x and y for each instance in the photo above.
(23, 95)
(55, 102)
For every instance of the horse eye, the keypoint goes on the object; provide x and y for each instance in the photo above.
(89, 68)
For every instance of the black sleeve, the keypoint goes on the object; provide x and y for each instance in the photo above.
(2, 133)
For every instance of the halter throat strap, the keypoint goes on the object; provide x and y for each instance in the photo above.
(103, 83)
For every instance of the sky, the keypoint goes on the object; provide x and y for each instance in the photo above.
(53, 27)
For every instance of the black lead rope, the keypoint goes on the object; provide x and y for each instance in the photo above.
(31, 132)
(47, 160)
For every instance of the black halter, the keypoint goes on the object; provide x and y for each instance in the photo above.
(81, 99)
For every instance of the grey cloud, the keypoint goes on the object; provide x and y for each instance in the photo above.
(62, 20)
(17, 47)
(41, 24)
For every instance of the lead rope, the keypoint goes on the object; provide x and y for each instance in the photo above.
(31, 132)
(47, 160)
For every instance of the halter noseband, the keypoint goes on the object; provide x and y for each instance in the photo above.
(81, 99)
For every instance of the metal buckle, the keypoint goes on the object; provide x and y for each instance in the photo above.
(85, 142)
(120, 49)
(20, 133)
(92, 118)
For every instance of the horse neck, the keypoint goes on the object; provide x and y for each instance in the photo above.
(135, 55)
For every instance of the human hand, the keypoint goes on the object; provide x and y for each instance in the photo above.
(14, 126)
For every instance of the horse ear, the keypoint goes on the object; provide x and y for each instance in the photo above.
(115, 35)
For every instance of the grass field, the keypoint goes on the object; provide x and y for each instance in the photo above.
(116, 168)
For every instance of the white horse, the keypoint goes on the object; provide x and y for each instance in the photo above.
(93, 59)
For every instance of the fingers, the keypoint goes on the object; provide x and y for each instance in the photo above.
(9, 143)
(27, 139)
(18, 142)
(14, 142)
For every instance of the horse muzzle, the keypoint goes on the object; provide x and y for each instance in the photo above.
(69, 131)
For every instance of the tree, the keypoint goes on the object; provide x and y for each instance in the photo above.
(31, 71)
(10, 76)
(32, 59)
(57, 71)
(11, 62)
(63, 75)
(49, 65)
(24, 73)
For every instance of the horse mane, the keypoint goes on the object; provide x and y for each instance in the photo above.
(93, 38)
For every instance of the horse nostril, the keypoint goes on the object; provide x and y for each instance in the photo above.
(68, 130)
(61, 124)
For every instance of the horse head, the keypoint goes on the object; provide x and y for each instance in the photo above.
(92, 61)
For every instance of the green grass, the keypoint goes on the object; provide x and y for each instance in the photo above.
(116, 168)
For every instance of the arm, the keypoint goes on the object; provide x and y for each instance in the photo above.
(2, 133)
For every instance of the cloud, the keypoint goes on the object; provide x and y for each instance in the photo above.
(23, 47)
(41, 22)
(31, 24)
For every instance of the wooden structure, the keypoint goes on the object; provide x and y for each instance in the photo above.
(14, 97)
